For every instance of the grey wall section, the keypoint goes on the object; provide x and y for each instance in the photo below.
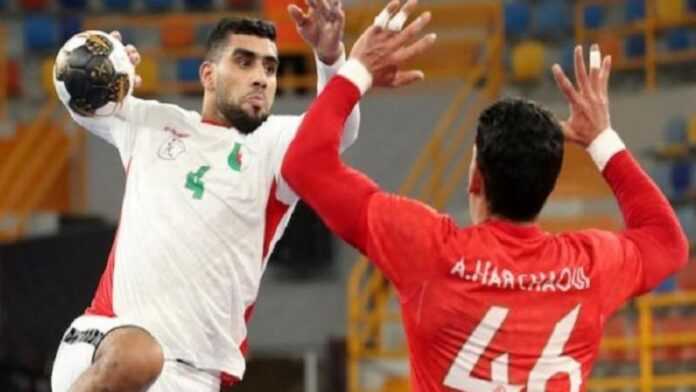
(106, 179)
(296, 317)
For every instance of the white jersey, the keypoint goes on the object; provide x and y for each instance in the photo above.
(203, 207)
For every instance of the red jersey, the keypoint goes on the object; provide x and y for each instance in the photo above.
(496, 306)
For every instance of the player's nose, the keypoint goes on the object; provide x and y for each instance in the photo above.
(260, 78)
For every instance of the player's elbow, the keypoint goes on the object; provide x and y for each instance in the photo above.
(681, 249)
(672, 242)
(674, 247)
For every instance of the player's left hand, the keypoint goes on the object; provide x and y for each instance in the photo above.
(589, 101)
(321, 27)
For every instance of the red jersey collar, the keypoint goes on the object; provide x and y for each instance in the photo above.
(210, 121)
(516, 229)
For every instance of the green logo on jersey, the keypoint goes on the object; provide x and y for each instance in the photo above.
(234, 160)
(194, 182)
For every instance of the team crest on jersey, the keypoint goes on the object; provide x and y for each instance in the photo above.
(235, 160)
(174, 146)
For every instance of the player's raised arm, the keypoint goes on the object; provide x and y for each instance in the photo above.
(340, 194)
(322, 26)
(653, 245)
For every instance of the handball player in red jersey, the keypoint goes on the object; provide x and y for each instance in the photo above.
(499, 305)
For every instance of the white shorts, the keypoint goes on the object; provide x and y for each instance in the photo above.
(80, 341)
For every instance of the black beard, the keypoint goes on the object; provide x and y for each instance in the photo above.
(240, 119)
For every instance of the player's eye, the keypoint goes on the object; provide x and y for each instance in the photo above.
(244, 61)
(271, 69)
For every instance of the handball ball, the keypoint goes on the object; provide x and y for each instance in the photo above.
(93, 74)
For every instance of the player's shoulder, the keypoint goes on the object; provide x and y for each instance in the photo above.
(280, 123)
(412, 217)
(385, 200)
(593, 242)
(589, 236)
(274, 129)
(180, 112)
(153, 108)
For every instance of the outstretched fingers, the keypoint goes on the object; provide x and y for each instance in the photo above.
(298, 16)
(404, 78)
(412, 30)
(416, 48)
(566, 86)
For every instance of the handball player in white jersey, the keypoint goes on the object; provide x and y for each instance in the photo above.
(204, 205)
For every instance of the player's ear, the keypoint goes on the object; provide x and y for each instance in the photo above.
(475, 179)
(476, 182)
(206, 73)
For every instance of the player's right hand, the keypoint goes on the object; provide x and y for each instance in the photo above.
(322, 27)
(589, 101)
(133, 55)
(383, 50)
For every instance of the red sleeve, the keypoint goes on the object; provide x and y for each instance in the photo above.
(399, 235)
(314, 170)
(407, 239)
(653, 245)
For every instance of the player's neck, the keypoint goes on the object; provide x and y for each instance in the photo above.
(215, 121)
(211, 115)
(215, 118)
(511, 222)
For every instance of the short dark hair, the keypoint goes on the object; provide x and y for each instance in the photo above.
(226, 26)
(519, 154)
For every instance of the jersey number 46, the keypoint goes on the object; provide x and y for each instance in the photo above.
(549, 364)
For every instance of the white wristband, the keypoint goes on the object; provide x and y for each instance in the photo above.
(333, 68)
(327, 71)
(398, 21)
(595, 59)
(357, 73)
(604, 147)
